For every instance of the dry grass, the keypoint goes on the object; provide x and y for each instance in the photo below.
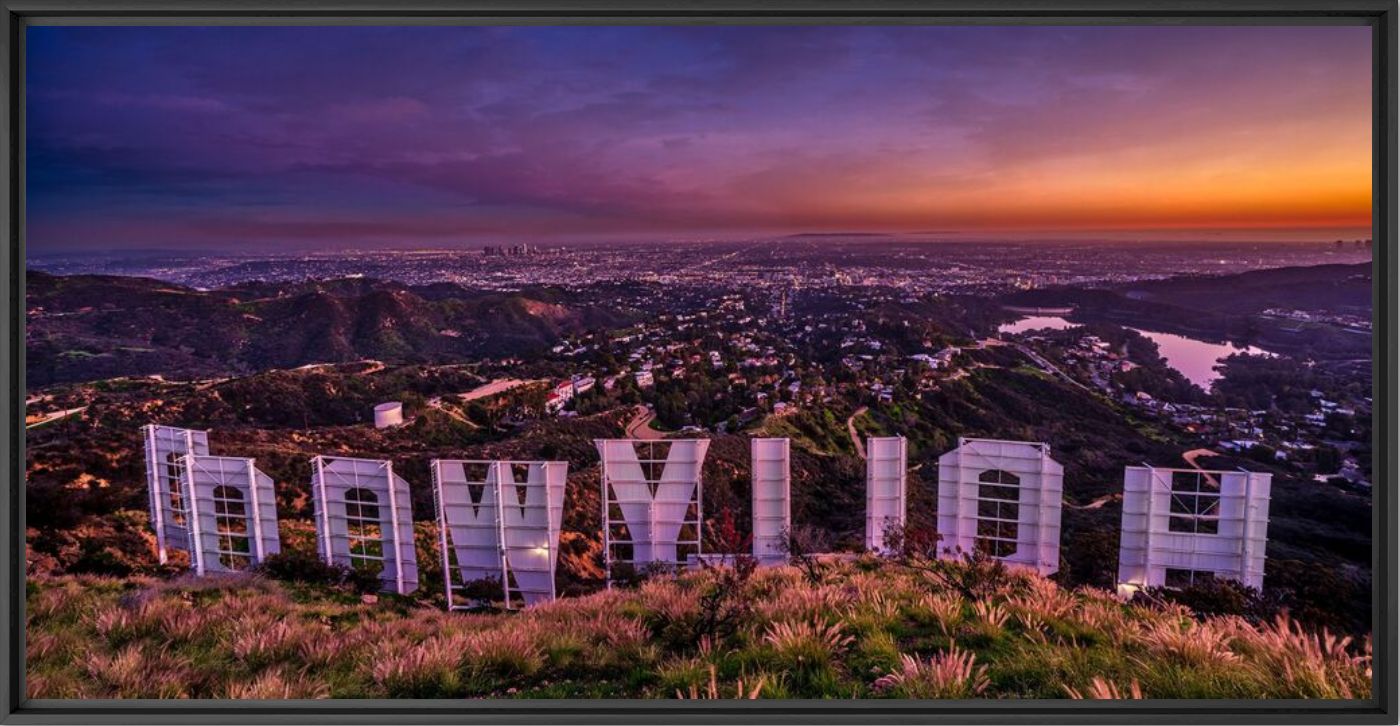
(1311, 665)
(426, 670)
(992, 616)
(507, 652)
(866, 630)
(138, 671)
(943, 609)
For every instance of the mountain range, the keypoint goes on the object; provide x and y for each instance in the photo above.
(89, 327)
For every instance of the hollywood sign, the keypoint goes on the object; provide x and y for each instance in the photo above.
(232, 513)
(166, 449)
(1181, 524)
(886, 496)
(364, 519)
(1001, 498)
(499, 522)
(651, 501)
(771, 468)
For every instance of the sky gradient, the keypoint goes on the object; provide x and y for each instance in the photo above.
(301, 138)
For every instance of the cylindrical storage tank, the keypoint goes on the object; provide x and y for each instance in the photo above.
(388, 414)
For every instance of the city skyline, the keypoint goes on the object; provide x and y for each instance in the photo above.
(306, 138)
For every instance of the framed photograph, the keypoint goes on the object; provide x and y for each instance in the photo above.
(699, 362)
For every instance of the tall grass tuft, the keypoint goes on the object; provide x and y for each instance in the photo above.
(276, 684)
(506, 652)
(139, 672)
(953, 673)
(712, 690)
(1189, 643)
(426, 670)
(1320, 665)
(994, 616)
(258, 642)
(1103, 690)
(943, 609)
(802, 644)
(799, 601)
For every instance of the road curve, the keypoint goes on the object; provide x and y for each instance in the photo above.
(640, 425)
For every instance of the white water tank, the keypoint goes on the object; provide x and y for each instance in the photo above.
(388, 414)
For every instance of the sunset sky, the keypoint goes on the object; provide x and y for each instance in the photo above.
(291, 138)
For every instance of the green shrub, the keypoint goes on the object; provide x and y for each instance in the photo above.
(296, 566)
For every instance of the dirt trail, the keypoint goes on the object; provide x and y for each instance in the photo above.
(436, 405)
(851, 430)
(1194, 454)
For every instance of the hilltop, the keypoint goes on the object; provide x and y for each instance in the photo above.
(867, 628)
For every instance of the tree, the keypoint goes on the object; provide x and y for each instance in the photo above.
(724, 602)
(802, 545)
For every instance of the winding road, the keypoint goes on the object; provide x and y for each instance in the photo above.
(1194, 454)
(1097, 503)
(640, 425)
(55, 416)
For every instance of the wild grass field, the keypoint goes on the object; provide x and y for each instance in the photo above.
(866, 628)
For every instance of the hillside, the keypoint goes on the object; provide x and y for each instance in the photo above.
(1343, 288)
(88, 327)
(1232, 307)
(866, 628)
(87, 496)
(85, 482)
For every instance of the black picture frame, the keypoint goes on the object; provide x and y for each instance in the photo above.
(1380, 15)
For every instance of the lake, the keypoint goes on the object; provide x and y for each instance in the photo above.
(1192, 357)
(1035, 322)
(1196, 359)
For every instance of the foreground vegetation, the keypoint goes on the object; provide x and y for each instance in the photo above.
(854, 629)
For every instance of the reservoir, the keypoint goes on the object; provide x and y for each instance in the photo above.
(1192, 357)
(1035, 322)
(1196, 359)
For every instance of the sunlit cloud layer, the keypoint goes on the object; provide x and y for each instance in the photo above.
(340, 137)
